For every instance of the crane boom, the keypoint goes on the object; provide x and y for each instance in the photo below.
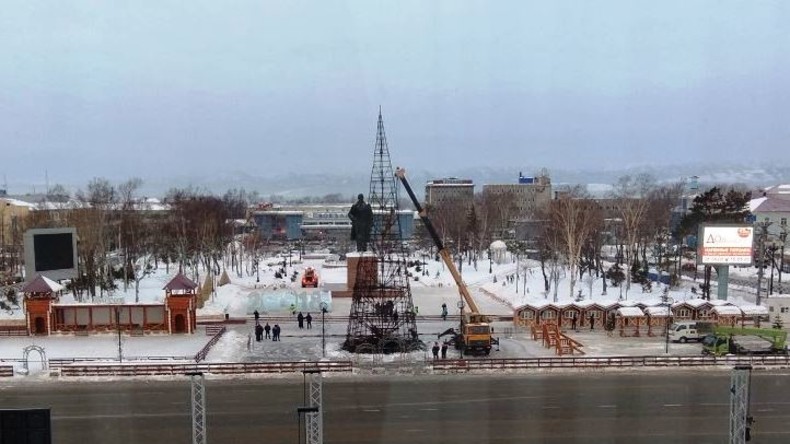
(400, 173)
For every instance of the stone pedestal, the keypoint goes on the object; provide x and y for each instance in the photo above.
(362, 266)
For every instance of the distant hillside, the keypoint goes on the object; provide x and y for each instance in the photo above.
(350, 183)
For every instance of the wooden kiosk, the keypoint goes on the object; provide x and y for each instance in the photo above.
(181, 304)
(40, 294)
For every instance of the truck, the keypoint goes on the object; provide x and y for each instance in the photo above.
(475, 335)
(309, 278)
(745, 341)
(685, 331)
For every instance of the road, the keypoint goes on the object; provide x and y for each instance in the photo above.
(642, 407)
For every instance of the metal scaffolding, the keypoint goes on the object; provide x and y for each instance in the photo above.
(740, 421)
(198, 408)
(382, 317)
(314, 421)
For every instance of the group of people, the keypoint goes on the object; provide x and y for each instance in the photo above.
(265, 331)
(300, 319)
(574, 320)
(608, 325)
(437, 348)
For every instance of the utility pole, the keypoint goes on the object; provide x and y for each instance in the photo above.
(740, 421)
(761, 257)
(314, 418)
(198, 408)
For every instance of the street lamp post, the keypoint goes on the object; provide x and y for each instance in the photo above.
(667, 323)
(518, 265)
(461, 333)
(118, 324)
(783, 239)
(324, 307)
(772, 249)
(490, 262)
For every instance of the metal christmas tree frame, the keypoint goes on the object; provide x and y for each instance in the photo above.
(382, 318)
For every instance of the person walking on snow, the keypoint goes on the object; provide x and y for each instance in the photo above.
(257, 315)
(309, 319)
(444, 350)
(444, 311)
(435, 350)
(573, 322)
(258, 333)
(267, 329)
(300, 320)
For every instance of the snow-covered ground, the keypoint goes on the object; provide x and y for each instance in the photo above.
(272, 296)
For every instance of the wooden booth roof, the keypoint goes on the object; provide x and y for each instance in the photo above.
(180, 283)
(41, 284)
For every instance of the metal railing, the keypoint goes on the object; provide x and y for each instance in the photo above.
(464, 365)
(225, 368)
(201, 355)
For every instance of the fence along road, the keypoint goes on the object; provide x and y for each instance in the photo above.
(465, 365)
(438, 366)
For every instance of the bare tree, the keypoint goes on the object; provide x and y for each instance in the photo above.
(631, 198)
(130, 226)
(92, 220)
(574, 217)
(495, 212)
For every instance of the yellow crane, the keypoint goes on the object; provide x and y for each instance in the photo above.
(475, 335)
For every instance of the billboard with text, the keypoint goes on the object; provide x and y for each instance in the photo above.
(726, 245)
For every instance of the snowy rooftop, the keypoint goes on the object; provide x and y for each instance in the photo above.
(630, 312)
(727, 310)
(657, 311)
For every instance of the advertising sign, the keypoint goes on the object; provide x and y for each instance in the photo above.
(726, 245)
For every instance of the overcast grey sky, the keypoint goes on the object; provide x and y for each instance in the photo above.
(124, 88)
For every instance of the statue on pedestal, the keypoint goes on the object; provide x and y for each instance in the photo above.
(361, 216)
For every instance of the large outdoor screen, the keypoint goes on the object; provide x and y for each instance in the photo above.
(25, 426)
(726, 245)
(51, 252)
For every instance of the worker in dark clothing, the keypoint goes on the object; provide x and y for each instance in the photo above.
(444, 311)
(300, 320)
(257, 315)
(444, 350)
(258, 333)
(309, 319)
(435, 350)
(592, 321)
(276, 333)
(267, 329)
(573, 322)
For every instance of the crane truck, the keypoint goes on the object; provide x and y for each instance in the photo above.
(475, 333)
(745, 341)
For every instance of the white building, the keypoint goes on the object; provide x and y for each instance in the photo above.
(779, 305)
